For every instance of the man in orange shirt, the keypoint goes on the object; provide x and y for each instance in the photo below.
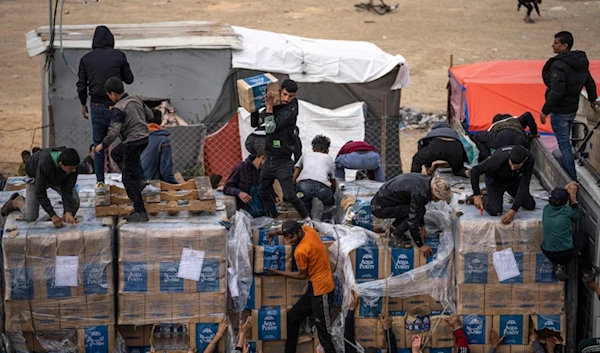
(313, 264)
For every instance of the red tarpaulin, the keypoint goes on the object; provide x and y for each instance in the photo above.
(222, 149)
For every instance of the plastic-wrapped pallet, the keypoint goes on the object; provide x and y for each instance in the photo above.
(59, 282)
(172, 271)
(510, 306)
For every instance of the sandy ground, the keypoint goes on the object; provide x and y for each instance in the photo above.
(425, 32)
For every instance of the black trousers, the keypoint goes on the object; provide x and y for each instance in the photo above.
(132, 179)
(581, 244)
(400, 213)
(527, 4)
(316, 307)
(282, 170)
(440, 150)
(492, 202)
(488, 140)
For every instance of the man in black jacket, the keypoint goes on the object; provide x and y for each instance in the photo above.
(564, 76)
(54, 168)
(505, 131)
(97, 66)
(280, 123)
(442, 143)
(510, 170)
(404, 198)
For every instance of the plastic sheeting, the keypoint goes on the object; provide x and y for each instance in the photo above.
(340, 125)
(316, 60)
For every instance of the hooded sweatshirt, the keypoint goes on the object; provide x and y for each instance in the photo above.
(47, 173)
(97, 66)
(564, 76)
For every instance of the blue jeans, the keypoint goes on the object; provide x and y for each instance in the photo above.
(562, 125)
(100, 115)
(310, 189)
(359, 160)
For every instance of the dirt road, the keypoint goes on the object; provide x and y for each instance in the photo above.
(425, 32)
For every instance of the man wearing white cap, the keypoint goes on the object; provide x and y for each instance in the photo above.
(404, 198)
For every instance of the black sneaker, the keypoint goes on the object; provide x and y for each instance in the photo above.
(8, 206)
(561, 273)
(137, 217)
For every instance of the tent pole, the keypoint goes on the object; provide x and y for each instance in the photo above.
(383, 151)
(449, 116)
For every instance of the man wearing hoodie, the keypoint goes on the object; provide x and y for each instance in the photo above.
(564, 76)
(506, 130)
(244, 182)
(54, 168)
(95, 68)
(442, 143)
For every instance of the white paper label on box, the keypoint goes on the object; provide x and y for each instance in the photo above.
(190, 265)
(65, 272)
(506, 264)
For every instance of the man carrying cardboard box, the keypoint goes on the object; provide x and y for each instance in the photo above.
(313, 264)
(280, 124)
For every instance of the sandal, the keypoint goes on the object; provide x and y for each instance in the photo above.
(8, 206)
(590, 275)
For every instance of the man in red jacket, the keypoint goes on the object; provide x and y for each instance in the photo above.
(359, 155)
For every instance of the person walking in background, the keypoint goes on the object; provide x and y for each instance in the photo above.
(564, 76)
(95, 68)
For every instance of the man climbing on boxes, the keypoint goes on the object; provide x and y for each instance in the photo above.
(404, 198)
(506, 130)
(54, 168)
(361, 156)
(507, 170)
(313, 264)
(280, 124)
(442, 143)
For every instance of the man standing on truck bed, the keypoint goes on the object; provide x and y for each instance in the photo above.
(97, 66)
(564, 76)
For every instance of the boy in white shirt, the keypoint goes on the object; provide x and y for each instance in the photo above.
(314, 174)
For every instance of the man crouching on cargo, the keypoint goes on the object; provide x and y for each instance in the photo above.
(54, 168)
(313, 264)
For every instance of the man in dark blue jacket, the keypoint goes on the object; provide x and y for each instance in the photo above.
(97, 66)
(442, 143)
(244, 182)
(157, 158)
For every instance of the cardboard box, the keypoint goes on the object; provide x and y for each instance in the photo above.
(369, 308)
(520, 349)
(277, 256)
(45, 314)
(96, 339)
(132, 244)
(273, 291)
(165, 277)
(98, 247)
(202, 333)
(213, 242)
(368, 332)
(476, 328)
(97, 277)
(73, 313)
(132, 309)
(159, 246)
(137, 338)
(399, 329)
(544, 269)
(551, 298)
(550, 325)
(269, 323)
(184, 240)
(158, 308)
(212, 304)
(294, 289)
(523, 263)
(498, 299)
(134, 277)
(514, 328)
(18, 317)
(435, 304)
(100, 309)
(414, 301)
(305, 344)
(395, 306)
(259, 237)
(404, 260)
(19, 284)
(470, 299)
(255, 297)
(473, 268)
(432, 240)
(185, 307)
(212, 277)
(252, 91)
(368, 262)
(524, 298)
(443, 336)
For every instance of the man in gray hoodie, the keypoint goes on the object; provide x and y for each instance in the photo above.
(442, 143)
(128, 121)
(564, 76)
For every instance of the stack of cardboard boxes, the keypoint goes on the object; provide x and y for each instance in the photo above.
(153, 292)
(59, 282)
(513, 307)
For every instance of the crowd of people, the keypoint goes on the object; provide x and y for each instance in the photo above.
(308, 181)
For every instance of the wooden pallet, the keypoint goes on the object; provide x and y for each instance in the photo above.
(195, 196)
